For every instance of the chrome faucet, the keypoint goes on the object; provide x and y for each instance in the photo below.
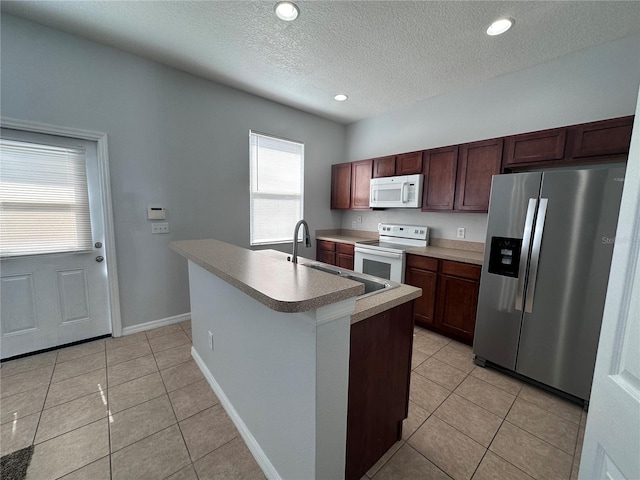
(307, 239)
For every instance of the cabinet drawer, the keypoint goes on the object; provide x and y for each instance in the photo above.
(344, 248)
(463, 270)
(326, 245)
(425, 263)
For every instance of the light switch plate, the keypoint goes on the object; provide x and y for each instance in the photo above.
(160, 227)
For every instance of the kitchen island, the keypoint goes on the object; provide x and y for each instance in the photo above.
(277, 342)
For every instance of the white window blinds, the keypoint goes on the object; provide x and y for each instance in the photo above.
(277, 185)
(44, 203)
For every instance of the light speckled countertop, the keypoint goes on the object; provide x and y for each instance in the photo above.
(273, 281)
(267, 276)
(456, 250)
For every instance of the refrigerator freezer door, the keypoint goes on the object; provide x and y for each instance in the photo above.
(498, 321)
(559, 338)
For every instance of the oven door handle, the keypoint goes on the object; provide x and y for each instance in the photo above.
(378, 253)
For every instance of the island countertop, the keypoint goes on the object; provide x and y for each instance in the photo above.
(268, 277)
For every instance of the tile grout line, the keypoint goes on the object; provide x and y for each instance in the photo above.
(504, 419)
(192, 463)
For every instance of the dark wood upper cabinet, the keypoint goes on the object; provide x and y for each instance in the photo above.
(607, 137)
(409, 163)
(341, 186)
(440, 167)
(477, 164)
(536, 147)
(360, 184)
(384, 166)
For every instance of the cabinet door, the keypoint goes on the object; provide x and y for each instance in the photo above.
(478, 162)
(341, 186)
(344, 255)
(456, 307)
(384, 166)
(326, 256)
(344, 261)
(326, 252)
(409, 163)
(608, 137)
(423, 307)
(535, 147)
(440, 167)
(360, 184)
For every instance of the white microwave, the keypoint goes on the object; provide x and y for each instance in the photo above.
(396, 192)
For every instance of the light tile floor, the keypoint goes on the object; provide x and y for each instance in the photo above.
(134, 407)
(137, 407)
(467, 422)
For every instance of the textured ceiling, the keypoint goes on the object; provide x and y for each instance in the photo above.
(383, 54)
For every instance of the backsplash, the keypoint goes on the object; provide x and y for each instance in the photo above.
(442, 225)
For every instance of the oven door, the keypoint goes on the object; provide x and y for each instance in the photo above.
(382, 264)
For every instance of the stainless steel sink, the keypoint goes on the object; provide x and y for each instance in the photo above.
(372, 285)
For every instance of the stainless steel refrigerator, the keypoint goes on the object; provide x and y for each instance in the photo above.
(546, 266)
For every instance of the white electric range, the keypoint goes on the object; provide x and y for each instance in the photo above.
(385, 257)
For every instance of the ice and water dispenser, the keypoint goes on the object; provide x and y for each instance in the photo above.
(504, 256)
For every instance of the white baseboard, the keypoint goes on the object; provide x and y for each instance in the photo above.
(261, 458)
(163, 322)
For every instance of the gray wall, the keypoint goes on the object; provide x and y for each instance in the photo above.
(175, 140)
(593, 84)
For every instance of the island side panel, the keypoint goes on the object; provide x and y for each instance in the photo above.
(379, 376)
(265, 364)
(274, 354)
(332, 398)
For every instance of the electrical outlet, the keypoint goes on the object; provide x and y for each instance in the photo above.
(160, 227)
(461, 232)
(359, 218)
(210, 340)
(353, 224)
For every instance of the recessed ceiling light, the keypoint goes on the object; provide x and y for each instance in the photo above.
(341, 97)
(500, 26)
(287, 11)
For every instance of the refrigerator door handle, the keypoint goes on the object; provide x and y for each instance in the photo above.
(535, 255)
(524, 252)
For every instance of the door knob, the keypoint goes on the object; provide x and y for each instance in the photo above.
(99, 258)
(98, 245)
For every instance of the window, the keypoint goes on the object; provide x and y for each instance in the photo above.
(44, 202)
(277, 185)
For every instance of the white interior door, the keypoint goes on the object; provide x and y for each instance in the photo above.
(611, 448)
(51, 299)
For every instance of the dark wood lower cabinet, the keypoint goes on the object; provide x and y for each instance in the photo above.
(457, 303)
(335, 253)
(379, 373)
(345, 255)
(449, 295)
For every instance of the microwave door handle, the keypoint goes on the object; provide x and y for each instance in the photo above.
(524, 252)
(404, 193)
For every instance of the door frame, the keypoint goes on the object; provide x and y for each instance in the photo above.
(107, 210)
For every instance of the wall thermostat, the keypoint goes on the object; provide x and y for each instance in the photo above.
(156, 213)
